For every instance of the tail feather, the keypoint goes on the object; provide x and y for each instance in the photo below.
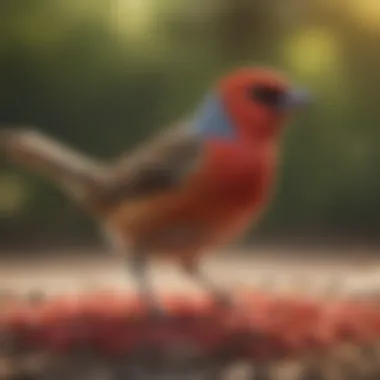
(31, 149)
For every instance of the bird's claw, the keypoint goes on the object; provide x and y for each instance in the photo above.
(223, 300)
(157, 313)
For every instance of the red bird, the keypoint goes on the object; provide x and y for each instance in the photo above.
(194, 187)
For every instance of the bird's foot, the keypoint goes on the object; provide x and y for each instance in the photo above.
(223, 300)
(157, 313)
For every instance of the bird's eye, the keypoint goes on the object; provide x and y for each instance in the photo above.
(269, 96)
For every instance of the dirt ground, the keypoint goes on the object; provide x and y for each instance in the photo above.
(75, 271)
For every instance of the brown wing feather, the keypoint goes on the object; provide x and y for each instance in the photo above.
(161, 164)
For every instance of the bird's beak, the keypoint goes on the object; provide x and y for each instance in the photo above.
(296, 98)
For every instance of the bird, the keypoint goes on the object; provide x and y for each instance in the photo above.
(190, 188)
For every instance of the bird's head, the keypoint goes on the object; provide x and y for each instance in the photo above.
(249, 104)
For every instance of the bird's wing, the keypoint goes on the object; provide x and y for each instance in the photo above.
(161, 164)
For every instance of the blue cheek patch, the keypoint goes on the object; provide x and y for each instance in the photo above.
(212, 120)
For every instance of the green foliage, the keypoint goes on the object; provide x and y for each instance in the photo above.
(103, 75)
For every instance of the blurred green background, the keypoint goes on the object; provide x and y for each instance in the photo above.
(103, 75)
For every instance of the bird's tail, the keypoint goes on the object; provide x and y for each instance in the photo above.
(75, 173)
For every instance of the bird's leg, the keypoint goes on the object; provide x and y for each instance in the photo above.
(191, 267)
(138, 263)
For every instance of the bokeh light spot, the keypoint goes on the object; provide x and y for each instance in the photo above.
(14, 194)
(365, 12)
(312, 52)
(134, 17)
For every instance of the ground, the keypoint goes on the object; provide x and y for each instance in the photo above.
(76, 270)
(302, 271)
